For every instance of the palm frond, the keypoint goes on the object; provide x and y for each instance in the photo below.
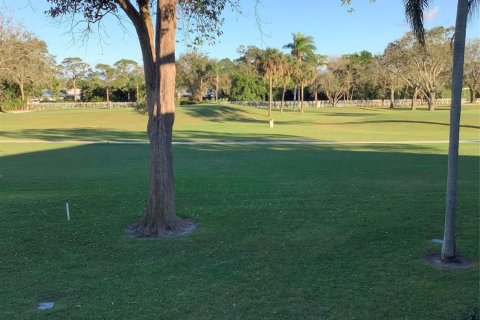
(414, 10)
(473, 6)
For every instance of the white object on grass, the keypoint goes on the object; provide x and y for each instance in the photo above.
(45, 305)
(68, 211)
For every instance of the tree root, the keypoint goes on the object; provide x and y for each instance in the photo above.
(152, 229)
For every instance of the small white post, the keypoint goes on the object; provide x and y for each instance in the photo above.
(68, 212)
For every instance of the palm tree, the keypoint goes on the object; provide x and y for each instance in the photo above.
(286, 76)
(302, 48)
(414, 11)
(271, 67)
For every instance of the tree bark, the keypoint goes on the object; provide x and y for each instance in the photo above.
(449, 245)
(283, 97)
(392, 97)
(431, 101)
(270, 93)
(472, 94)
(216, 87)
(74, 90)
(302, 87)
(414, 99)
(160, 218)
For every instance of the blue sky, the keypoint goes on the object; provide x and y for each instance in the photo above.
(371, 26)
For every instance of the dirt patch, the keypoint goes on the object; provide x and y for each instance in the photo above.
(435, 260)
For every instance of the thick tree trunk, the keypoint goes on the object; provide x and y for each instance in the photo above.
(449, 246)
(431, 101)
(22, 91)
(413, 104)
(472, 94)
(160, 218)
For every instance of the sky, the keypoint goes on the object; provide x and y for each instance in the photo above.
(336, 30)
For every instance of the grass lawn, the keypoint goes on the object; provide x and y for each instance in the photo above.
(285, 232)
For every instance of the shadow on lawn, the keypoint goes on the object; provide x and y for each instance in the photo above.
(301, 213)
(80, 134)
(405, 121)
(220, 113)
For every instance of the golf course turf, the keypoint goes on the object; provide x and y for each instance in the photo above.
(285, 231)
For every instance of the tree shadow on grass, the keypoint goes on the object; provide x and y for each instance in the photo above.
(220, 113)
(79, 134)
(405, 121)
(328, 219)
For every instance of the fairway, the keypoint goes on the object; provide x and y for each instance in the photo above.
(286, 231)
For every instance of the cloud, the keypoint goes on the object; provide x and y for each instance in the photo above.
(431, 14)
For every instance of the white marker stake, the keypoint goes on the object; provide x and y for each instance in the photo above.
(68, 212)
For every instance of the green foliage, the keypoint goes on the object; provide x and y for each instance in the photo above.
(247, 87)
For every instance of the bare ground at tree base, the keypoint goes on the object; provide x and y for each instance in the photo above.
(176, 228)
(435, 260)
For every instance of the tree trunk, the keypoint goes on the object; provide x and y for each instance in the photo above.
(74, 90)
(107, 89)
(295, 97)
(283, 97)
(431, 101)
(449, 246)
(315, 92)
(301, 97)
(160, 218)
(472, 94)
(216, 87)
(392, 97)
(270, 92)
(22, 95)
(413, 105)
(137, 93)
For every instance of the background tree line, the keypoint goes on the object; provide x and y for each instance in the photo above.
(405, 70)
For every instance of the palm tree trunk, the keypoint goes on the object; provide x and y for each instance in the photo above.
(449, 247)
(270, 93)
(302, 97)
(283, 97)
(216, 87)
